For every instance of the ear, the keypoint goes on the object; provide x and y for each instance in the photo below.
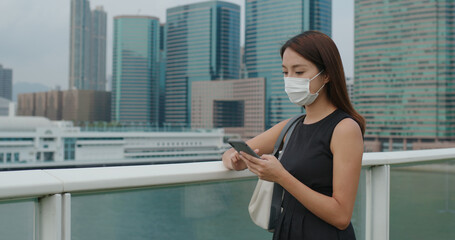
(326, 78)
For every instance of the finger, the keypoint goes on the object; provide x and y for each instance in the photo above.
(251, 167)
(235, 157)
(251, 164)
(256, 150)
(250, 158)
(245, 157)
(268, 157)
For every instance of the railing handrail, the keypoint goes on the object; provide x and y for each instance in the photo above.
(411, 156)
(37, 183)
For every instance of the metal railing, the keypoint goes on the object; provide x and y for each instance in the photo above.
(53, 187)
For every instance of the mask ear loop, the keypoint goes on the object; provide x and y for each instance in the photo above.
(317, 92)
(320, 89)
(317, 75)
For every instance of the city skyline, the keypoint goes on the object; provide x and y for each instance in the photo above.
(48, 64)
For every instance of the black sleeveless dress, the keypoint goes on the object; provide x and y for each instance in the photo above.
(309, 159)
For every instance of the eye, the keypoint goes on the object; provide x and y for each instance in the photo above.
(285, 73)
(298, 73)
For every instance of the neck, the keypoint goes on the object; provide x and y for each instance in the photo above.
(319, 109)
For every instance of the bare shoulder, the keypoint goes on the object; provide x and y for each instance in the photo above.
(347, 133)
(348, 126)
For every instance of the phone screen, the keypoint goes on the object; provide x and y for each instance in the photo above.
(240, 145)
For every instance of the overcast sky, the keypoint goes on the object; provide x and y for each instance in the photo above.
(34, 35)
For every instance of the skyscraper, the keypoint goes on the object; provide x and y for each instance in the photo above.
(162, 74)
(87, 47)
(269, 23)
(98, 50)
(404, 72)
(135, 76)
(6, 83)
(203, 44)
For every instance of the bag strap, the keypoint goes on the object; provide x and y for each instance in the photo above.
(277, 195)
(279, 142)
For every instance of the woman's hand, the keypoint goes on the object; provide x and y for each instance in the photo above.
(236, 163)
(267, 167)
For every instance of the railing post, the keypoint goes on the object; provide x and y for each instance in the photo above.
(377, 202)
(66, 217)
(49, 217)
(54, 217)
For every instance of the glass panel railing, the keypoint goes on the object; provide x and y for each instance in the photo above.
(358, 219)
(196, 211)
(17, 220)
(422, 201)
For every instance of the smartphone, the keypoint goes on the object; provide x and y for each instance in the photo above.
(240, 145)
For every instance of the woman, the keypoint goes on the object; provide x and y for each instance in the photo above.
(320, 167)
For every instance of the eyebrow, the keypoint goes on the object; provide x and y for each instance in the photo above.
(296, 65)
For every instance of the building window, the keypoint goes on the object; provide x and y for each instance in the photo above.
(70, 145)
(48, 156)
(1, 157)
(16, 157)
(8, 157)
(228, 113)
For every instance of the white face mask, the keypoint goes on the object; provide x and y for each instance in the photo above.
(298, 90)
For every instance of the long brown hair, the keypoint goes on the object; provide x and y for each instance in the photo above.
(320, 49)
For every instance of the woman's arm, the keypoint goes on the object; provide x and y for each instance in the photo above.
(262, 144)
(347, 149)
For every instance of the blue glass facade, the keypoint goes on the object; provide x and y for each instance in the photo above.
(269, 23)
(203, 44)
(135, 77)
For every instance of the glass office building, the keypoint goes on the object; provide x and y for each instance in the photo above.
(135, 71)
(203, 44)
(404, 71)
(87, 47)
(269, 24)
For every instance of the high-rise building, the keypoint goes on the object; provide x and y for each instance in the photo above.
(135, 76)
(404, 74)
(98, 50)
(203, 44)
(6, 83)
(162, 74)
(269, 24)
(87, 46)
